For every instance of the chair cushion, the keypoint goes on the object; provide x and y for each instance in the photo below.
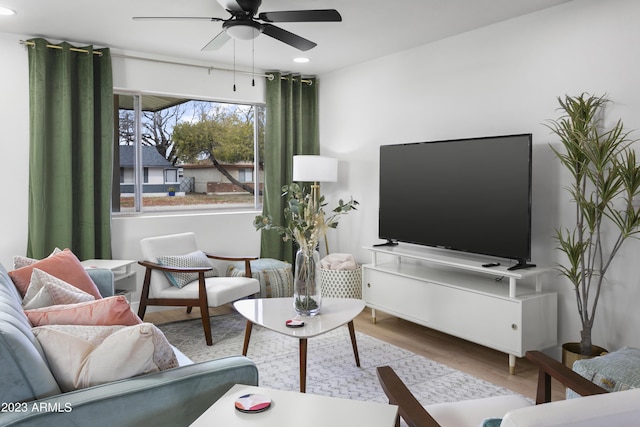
(220, 290)
(610, 409)
(106, 311)
(193, 259)
(474, 412)
(45, 290)
(84, 356)
(64, 265)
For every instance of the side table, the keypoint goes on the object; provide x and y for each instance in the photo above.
(124, 277)
(291, 409)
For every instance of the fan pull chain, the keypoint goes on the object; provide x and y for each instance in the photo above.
(253, 62)
(234, 65)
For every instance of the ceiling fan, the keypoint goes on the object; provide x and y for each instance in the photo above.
(245, 25)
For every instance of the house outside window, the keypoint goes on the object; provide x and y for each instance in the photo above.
(245, 175)
(207, 152)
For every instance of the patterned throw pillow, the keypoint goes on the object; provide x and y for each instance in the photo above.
(63, 265)
(22, 261)
(193, 259)
(84, 356)
(45, 290)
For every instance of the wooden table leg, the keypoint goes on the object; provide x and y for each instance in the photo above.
(247, 337)
(354, 344)
(303, 365)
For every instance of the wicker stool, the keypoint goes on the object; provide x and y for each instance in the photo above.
(341, 283)
(275, 276)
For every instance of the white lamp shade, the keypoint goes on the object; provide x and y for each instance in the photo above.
(308, 168)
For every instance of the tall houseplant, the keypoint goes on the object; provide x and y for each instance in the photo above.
(306, 224)
(605, 180)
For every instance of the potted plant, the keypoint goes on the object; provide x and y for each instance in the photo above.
(306, 224)
(172, 191)
(605, 179)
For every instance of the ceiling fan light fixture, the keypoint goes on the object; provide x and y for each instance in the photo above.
(242, 30)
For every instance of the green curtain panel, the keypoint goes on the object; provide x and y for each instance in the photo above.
(71, 150)
(291, 129)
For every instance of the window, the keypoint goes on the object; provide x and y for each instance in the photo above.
(207, 152)
(245, 175)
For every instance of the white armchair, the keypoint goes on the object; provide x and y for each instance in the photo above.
(598, 408)
(203, 292)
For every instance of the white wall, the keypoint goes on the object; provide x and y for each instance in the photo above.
(502, 79)
(222, 233)
(14, 143)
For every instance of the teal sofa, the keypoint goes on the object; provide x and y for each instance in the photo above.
(30, 396)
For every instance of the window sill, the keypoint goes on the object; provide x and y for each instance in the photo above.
(182, 212)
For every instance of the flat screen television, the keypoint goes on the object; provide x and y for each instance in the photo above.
(471, 195)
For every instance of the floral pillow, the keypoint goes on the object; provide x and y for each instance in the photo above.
(45, 290)
(193, 259)
(84, 356)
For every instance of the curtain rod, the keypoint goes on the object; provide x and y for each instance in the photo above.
(207, 67)
(53, 46)
(161, 61)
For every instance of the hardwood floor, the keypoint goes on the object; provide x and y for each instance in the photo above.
(473, 359)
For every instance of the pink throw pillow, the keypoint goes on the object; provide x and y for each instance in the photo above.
(64, 265)
(105, 312)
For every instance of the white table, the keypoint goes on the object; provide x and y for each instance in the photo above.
(124, 277)
(272, 313)
(291, 409)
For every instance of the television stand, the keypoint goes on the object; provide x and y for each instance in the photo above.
(454, 294)
(521, 265)
(387, 243)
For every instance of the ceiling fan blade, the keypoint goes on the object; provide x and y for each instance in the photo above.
(241, 5)
(319, 15)
(217, 42)
(176, 18)
(287, 37)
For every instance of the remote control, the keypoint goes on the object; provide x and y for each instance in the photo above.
(491, 264)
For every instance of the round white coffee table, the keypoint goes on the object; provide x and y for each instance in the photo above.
(272, 313)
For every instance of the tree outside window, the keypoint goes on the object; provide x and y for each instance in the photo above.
(208, 152)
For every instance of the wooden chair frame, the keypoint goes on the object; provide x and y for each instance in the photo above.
(201, 301)
(415, 415)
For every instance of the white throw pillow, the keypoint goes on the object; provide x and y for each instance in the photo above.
(84, 356)
(45, 290)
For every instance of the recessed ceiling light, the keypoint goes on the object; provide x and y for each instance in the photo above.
(301, 60)
(6, 12)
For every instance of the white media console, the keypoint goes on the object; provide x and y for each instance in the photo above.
(457, 296)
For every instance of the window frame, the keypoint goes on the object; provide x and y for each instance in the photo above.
(140, 177)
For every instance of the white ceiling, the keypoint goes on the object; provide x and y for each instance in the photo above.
(369, 28)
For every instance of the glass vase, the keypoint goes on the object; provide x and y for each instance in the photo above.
(307, 298)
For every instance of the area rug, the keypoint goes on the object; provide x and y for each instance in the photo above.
(331, 368)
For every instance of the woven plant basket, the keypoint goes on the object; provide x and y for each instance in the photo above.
(341, 283)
